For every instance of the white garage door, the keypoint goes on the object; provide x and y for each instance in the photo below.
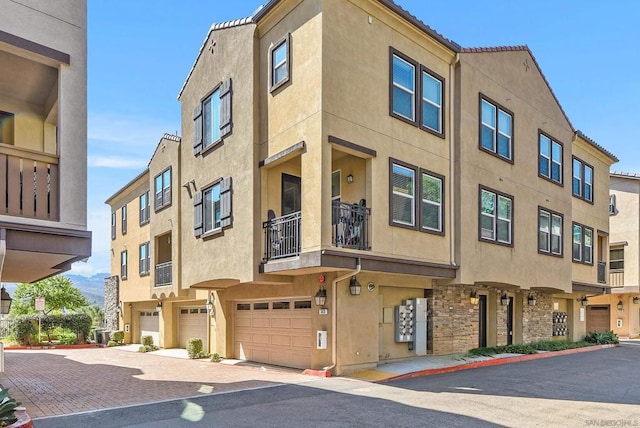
(150, 326)
(192, 324)
(274, 332)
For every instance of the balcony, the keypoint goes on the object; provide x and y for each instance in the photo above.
(602, 272)
(350, 225)
(163, 274)
(32, 183)
(616, 279)
(282, 236)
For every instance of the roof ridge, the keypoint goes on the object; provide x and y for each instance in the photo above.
(502, 48)
(172, 137)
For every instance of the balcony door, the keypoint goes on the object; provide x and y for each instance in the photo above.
(291, 194)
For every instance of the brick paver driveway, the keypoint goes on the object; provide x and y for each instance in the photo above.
(55, 382)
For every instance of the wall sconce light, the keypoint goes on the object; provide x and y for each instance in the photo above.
(211, 301)
(321, 296)
(350, 178)
(120, 309)
(473, 298)
(636, 300)
(532, 300)
(620, 306)
(583, 300)
(354, 286)
(159, 305)
(504, 299)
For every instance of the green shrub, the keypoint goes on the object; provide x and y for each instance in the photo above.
(601, 337)
(194, 348)
(112, 343)
(68, 338)
(118, 336)
(7, 408)
(216, 358)
(24, 328)
(147, 340)
(142, 348)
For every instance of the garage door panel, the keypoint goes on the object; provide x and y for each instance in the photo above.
(302, 323)
(259, 355)
(598, 318)
(192, 323)
(301, 342)
(281, 323)
(298, 360)
(260, 322)
(243, 322)
(280, 340)
(262, 339)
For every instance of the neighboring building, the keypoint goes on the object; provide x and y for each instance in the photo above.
(408, 184)
(620, 311)
(43, 138)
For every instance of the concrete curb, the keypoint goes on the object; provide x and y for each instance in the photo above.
(44, 347)
(495, 362)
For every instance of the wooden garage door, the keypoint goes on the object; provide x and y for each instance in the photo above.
(274, 332)
(150, 326)
(192, 324)
(598, 318)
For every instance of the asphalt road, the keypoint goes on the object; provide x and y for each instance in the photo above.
(599, 388)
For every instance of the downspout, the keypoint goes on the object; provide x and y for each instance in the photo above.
(3, 249)
(334, 318)
(452, 168)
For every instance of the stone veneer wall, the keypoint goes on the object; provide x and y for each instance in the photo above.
(454, 320)
(111, 292)
(537, 321)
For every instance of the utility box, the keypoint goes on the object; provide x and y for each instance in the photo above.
(404, 321)
(321, 341)
(420, 327)
(411, 324)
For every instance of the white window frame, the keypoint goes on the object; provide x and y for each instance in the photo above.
(437, 204)
(495, 217)
(144, 260)
(211, 119)
(586, 251)
(123, 265)
(612, 204)
(550, 216)
(411, 197)
(284, 63)
(497, 112)
(584, 183)
(410, 91)
(438, 106)
(144, 208)
(206, 207)
(550, 160)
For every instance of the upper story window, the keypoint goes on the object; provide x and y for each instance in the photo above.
(113, 225)
(550, 158)
(212, 209)
(582, 180)
(496, 212)
(123, 264)
(280, 59)
(616, 259)
(612, 204)
(124, 219)
(162, 189)
(496, 129)
(212, 118)
(550, 232)
(582, 244)
(416, 94)
(416, 204)
(144, 208)
(6, 127)
(144, 258)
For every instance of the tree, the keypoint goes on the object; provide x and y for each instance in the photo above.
(58, 292)
(94, 312)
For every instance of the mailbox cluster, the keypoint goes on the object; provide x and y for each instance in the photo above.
(405, 321)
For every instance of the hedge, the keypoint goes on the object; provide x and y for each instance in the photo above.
(27, 325)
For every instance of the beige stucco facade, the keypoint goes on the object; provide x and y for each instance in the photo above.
(310, 173)
(43, 132)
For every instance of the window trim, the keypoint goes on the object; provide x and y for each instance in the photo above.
(215, 230)
(286, 40)
(113, 225)
(613, 208)
(440, 177)
(147, 258)
(392, 221)
(123, 211)
(551, 213)
(552, 140)
(435, 76)
(411, 121)
(164, 204)
(611, 260)
(498, 107)
(582, 244)
(124, 267)
(583, 180)
(498, 194)
(146, 217)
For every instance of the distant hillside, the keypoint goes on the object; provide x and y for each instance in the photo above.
(91, 287)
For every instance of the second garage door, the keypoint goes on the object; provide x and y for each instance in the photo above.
(192, 324)
(598, 318)
(274, 332)
(150, 326)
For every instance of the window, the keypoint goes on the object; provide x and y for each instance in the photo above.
(549, 232)
(123, 264)
(163, 189)
(416, 98)
(582, 244)
(212, 208)
(612, 204)
(6, 127)
(416, 205)
(212, 118)
(582, 180)
(280, 59)
(113, 225)
(124, 219)
(616, 259)
(495, 217)
(144, 259)
(550, 158)
(144, 208)
(496, 129)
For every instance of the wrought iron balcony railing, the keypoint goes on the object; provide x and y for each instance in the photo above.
(282, 236)
(350, 224)
(163, 274)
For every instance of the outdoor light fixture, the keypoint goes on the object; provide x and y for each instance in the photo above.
(473, 297)
(531, 300)
(583, 300)
(210, 304)
(620, 306)
(504, 299)
(119, 308)
(159, 305)
(321, 296)
(636, 300)
(354, 286)
(350, 178)
(5, 301)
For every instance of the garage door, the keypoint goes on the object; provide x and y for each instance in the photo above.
(274, 332)
(192, 324)
(150, 326)
(598, 318)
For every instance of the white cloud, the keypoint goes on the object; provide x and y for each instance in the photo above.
(139, 131)
(116, 162)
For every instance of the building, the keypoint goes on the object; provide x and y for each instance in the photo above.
(43, 138)
(404, 205)
(620, 310)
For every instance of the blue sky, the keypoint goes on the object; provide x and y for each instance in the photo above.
(141, 51)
